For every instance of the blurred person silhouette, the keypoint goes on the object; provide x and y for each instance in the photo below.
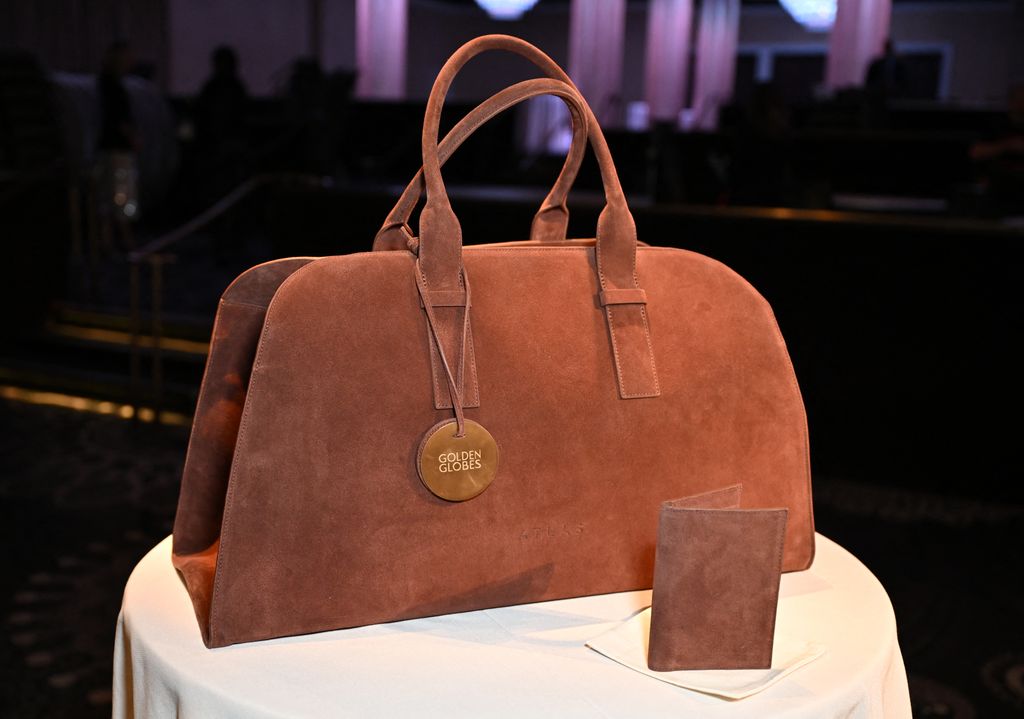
(886, 79)
(221, 113)
(118, 144)
(308, 113)
(117, 126)
(222, 105)
(887, 73)
(222, 152)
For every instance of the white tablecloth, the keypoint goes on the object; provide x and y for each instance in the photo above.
(524, 661)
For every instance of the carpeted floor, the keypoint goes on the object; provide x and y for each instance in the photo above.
(83, 497)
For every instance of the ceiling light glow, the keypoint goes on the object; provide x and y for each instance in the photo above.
(506, 9)
(814, 15)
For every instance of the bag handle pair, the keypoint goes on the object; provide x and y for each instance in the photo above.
(440, 247)
(440, 232)
(551, 222)
(552, 219)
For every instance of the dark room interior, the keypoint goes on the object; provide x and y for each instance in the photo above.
(864, 173)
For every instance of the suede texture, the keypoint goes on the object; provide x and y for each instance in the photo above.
(601, 411)
(326, 523)
(236, 332)
(716, 584)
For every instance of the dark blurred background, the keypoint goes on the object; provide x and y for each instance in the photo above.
(869, 181)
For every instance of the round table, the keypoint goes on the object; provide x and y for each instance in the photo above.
(521, 661)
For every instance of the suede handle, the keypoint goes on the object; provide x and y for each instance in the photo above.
(551, 221)
(440, 250)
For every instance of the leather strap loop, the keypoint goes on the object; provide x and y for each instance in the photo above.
(622, 297)
(446, 298)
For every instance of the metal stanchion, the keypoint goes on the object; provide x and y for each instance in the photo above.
(152, 255)
(156, 263)
(136, 328)
(75, 212)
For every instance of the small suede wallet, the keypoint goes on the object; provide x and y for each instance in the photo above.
(716, 584)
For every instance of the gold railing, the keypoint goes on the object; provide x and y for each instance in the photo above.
(156, 255)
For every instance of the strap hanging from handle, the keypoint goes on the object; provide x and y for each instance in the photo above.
(453, 385)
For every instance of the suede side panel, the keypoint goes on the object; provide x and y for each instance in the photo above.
(236, 330)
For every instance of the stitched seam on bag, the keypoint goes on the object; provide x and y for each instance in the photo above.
(736, 489)
(707, 510)
(650, 351)
(615, 352)
(237, 303)
(470, 360)
(611, 331)
(237, 280)
(439, 401)
(611, 326)
(618, 363)
(252, 391)
(625, 394)
(203, 389)
(647, 331)
(779, 554)
(460, 368)
(222, 552)
(528, 250)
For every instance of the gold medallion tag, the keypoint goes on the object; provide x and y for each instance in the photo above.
(457, 468)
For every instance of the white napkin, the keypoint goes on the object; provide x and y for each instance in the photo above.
(627, 644)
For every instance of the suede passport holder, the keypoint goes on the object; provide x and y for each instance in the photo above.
(716, 584)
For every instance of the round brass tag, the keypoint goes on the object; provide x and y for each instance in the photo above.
(458, 468)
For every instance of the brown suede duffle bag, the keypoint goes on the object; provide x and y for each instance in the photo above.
(439, 428)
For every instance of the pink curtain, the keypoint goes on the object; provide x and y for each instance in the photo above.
(858, 37)
(596, 32)
(715, 71)
(380, 48)
(668, 56)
